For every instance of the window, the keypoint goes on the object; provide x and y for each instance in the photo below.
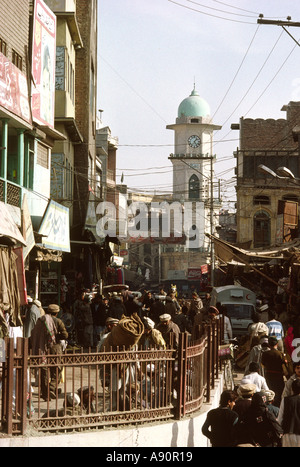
(261, 199)
(291, 198)
(17, 59)
(251, 163)
(43, 156)
(262, 229)
(194, 187)
(3, 47)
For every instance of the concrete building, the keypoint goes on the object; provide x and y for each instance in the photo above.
(264, 197)
(68, 42)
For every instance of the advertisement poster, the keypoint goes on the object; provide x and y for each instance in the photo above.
(43, 64)
(13, 89)
(55, 227)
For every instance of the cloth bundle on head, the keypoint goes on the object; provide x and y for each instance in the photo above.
(127, 332)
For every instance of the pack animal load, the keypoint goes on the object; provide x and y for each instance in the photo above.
(127, 332)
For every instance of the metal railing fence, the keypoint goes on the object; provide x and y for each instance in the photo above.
(41, 393)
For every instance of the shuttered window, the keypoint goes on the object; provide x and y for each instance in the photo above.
(43, 156)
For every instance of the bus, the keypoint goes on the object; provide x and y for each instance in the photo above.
(240, 304)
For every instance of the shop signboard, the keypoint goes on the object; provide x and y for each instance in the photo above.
(55, 227)
(43, 64)
(194, 274)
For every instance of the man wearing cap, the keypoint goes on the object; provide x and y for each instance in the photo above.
(109, 323)
(272, 362)
(269, 395)
(169, 330)
(32, 315)
(46, 337)
(151, 338)
(196, 306)
(245, 392)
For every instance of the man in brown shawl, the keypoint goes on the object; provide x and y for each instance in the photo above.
(46, 338)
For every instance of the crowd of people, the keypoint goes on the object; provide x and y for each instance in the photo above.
(87, 318)
(264, 410)
(157, 321)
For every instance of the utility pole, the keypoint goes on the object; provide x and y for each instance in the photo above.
(212, 249)
(287, 22)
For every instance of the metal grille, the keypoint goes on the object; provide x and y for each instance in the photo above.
(1, 190)
(13, 195)
(115, 388)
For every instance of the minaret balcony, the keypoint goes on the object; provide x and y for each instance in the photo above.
(189, 155)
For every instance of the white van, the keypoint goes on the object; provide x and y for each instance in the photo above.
(240, 305)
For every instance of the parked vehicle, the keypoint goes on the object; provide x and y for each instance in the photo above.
(240, 304)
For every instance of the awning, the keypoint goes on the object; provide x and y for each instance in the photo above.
(8, 227)
(230, 253)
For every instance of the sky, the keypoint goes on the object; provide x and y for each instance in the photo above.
(150, 54)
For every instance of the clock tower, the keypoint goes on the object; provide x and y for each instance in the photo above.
(193, 158)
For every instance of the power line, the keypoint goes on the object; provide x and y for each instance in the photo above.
(208, 14)
(222, 11)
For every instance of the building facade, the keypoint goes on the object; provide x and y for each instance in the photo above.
(261, 194)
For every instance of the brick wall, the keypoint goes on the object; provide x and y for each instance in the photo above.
(260, 134)
(14, 27)
(86, 60)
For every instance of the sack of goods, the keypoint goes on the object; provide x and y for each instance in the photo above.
(127, 332)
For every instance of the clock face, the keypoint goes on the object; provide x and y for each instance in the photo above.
(194, 141)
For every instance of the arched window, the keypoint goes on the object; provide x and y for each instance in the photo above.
(194, 187)
(262, 229)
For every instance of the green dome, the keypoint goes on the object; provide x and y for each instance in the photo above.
(194, 106)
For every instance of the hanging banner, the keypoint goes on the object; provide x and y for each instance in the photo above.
(43, 64)
(55, 227)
